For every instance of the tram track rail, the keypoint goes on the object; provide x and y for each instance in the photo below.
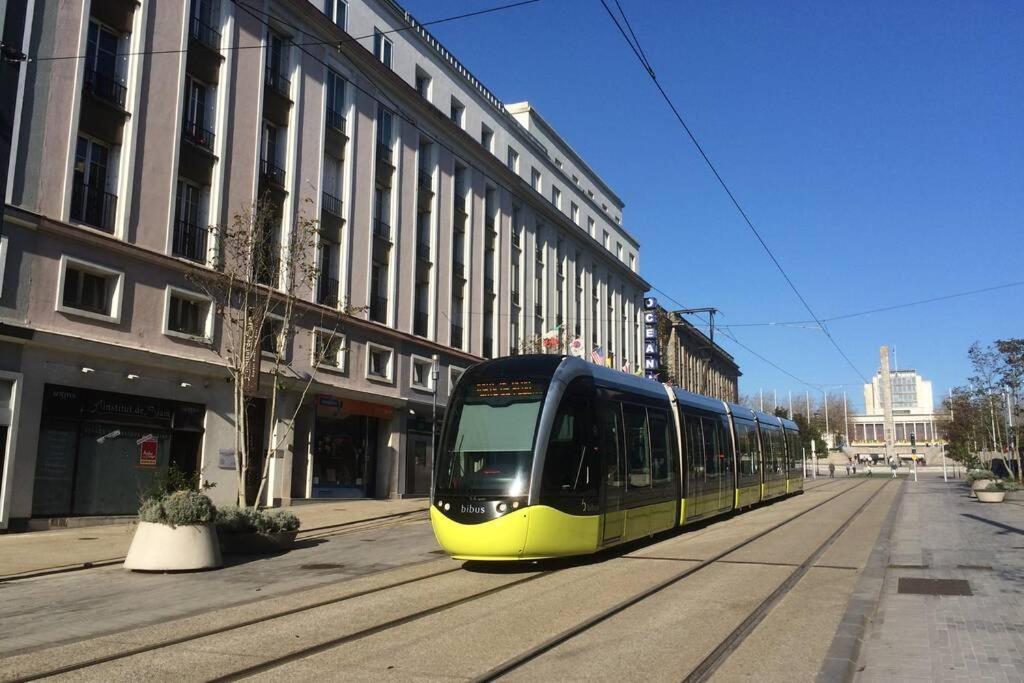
(535, 652)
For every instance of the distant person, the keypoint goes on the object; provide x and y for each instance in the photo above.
(847, 469)
(831, 471)
(868, 469)
(855, 469)
(893, 466)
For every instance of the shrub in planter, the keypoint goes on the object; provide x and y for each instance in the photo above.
(175, 533)
(995, 492)
(245, 530)
(978, 479)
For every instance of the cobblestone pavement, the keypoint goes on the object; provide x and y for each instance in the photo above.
(941, 533)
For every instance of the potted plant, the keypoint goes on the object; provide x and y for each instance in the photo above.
(250, 531)
(979, 479)
(993, 493)
(1013, 490)
(175, 533)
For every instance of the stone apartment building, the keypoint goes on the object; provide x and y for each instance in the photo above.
(698, 364)
(458, 225)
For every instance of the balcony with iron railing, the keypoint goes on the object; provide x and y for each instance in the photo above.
(420, 323)
(194, 133)
(204, 33)
(379, 308)
(335, 121)
(515, 296)
(460, 205)
(385, 154)
(277, 82)
(327, 290)
(489, 284)
(516, 242)
(459, 270)
(423, 251)
(105, 86)
(189, 241)
(381, 230)
(330, 204)
(272, 173)
(93, 206)
(538, 310)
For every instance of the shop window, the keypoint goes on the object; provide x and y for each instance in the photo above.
(89, 290)
(379, 362)
(329, 350)
(272, 335)
(187, 315)
(422, 376)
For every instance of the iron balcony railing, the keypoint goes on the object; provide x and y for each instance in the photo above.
(460, 204)
(423, 250)
(515, 239)
(515, 296)
(382, 230)
(189, 241)
(204, 33)
(425, 180)
(538, 310)
(271, 172)
(459, 270)
(93, 206)
(489, 285)
(420, 323)
(335, 120)
(277, 82)
(327, 291)
(384, 152)
(193, 132)
(379, 308)
(105, 86)
(331, 204)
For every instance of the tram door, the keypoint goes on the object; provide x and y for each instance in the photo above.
(607, 431)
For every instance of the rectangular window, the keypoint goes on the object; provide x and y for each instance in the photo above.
(574, 213)
(607, 242)
(383, 48)
(618, 250)
(335, 101)
(423, 83)
(92, 202)
(512, 160)
(592, 227)
(190, 229)
(486, 137)
(422, 373)
(379, 362)
(458, 113)
(188, 315)
(198, 115)
(632, 262)
(535, 179)
(337, 11)
(556, 197)
(329, 350)
(89, 290)
(271, 336)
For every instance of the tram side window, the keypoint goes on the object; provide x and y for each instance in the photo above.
(726, 445)
(608, 438)
(712, 448)
(746, 440)
(570, 464)
(694, 449)
(796, 457)
(661, 451)
(638, 448)
(777, 452)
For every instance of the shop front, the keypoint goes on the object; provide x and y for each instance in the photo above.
(99, 451)
(344, 447)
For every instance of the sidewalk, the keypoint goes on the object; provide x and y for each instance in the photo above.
(40, 551)
(940, 533)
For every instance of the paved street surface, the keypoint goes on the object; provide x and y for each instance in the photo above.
(941, 533)
(763, 595)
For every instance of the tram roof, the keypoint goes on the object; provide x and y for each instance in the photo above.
(768, 418)
(688, 398)
(741, 411)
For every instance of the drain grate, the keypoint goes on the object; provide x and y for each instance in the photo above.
(911, 586)
(322, 565)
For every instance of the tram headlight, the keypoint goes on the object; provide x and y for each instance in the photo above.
(447, 506)
(502, 507)
(440, 504)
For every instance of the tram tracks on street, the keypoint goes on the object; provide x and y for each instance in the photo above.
(537, 651)
(401, 620)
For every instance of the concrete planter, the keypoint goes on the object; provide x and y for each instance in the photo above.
(991, 496)
(165, 548)
(977, 485)
(257, 544)
(1015, 495)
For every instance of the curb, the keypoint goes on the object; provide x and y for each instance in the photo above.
(841, 659)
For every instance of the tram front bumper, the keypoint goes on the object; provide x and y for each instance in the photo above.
(531, 533)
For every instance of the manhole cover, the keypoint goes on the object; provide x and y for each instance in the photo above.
(321, 565)
(911, 586)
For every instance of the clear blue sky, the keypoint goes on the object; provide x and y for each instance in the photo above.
(877, 146)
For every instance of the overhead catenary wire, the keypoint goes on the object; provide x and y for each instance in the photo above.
(721, 181)
(260, 46)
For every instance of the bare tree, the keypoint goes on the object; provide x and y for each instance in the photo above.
(263, 278)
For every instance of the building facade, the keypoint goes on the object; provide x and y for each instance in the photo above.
(449, 224)
(913, 412)
(698, 364)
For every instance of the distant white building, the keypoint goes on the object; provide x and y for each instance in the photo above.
(913, 411)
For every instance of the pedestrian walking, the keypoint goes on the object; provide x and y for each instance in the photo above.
(892, 464)
(855, 469)
(831, 471)
(868, 469)
(847, 469)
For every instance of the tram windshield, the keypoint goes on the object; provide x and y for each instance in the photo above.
(489, 443)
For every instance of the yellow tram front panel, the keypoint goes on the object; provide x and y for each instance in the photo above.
(529, 533)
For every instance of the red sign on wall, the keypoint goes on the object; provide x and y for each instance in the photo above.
(147, 453)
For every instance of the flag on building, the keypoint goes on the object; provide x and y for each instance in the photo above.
(550, 339)
(597, 355)
(576, 348)
(625, 367)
